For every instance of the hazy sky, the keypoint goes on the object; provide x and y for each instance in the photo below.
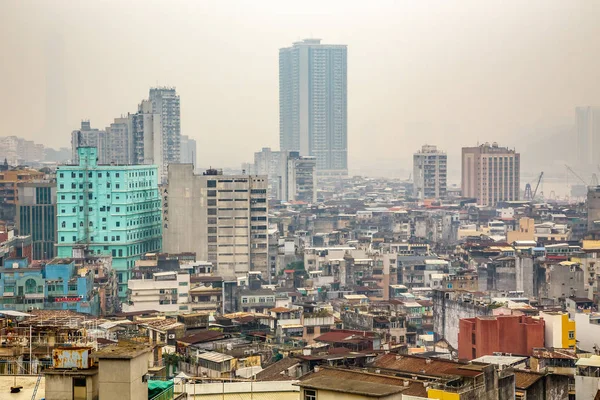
(449, 73)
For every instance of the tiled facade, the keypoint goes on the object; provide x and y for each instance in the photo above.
(113, 210)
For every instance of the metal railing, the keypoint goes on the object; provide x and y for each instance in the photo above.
(23, 368)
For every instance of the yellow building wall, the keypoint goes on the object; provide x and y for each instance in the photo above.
(591, 244)
(526, 231)
(442, 395)
(568, 325)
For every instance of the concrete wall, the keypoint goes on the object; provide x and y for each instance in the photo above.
(524, 275)
(186, 225)
(60, 387)
(557, 387)
(588, 335)
(280, 390)
(447, 313)
(586, 387)
(122, 379)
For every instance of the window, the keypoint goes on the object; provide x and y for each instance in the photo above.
(325, 329)
(117, 175)
(310, 330)
(183, 283)
(117, 209)
(61, 186)
(211, 184)
(310, 394)
(571, 335)
(62, 197)
(30, 286)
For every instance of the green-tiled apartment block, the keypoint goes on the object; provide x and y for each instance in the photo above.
(113, 209)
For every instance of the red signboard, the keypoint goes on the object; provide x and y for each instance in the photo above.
(67, 299)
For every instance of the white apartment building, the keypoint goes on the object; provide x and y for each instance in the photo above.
(166, 292)
(222, 218)
(429, 173)
(292, 177)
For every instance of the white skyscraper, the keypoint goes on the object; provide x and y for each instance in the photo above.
(313, 103)
(429, 173)
(165, 101)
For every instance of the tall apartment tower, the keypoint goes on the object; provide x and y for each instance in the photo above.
(87, 136)
(147, 137)
(301, 178)
(36, 216)
(222, 218)
(108, 210)
(588, 136)
(188, 150)
(165, 101)
(120, 142)
(273, 164)
(429, 173)
(313, 103)
(490, 174)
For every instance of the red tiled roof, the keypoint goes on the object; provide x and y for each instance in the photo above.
(418, 365)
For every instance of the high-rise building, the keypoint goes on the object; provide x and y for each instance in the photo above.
(313, 103)
(222, 218)
(165, 101)
(36, 216)
(188, 150)
(429, 173)
(9, 192)
(18, 151)
(272, 164)
(108, 210)
(490, 174)
(147, 136)
(88, 137)
(301, 178)
(120, 142)
(588, 136)
(292, 177)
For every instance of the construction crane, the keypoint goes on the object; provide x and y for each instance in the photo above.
(537, 186)
(575, 174)
(529, 195)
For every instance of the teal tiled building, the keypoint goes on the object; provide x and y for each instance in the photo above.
(110, 210)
